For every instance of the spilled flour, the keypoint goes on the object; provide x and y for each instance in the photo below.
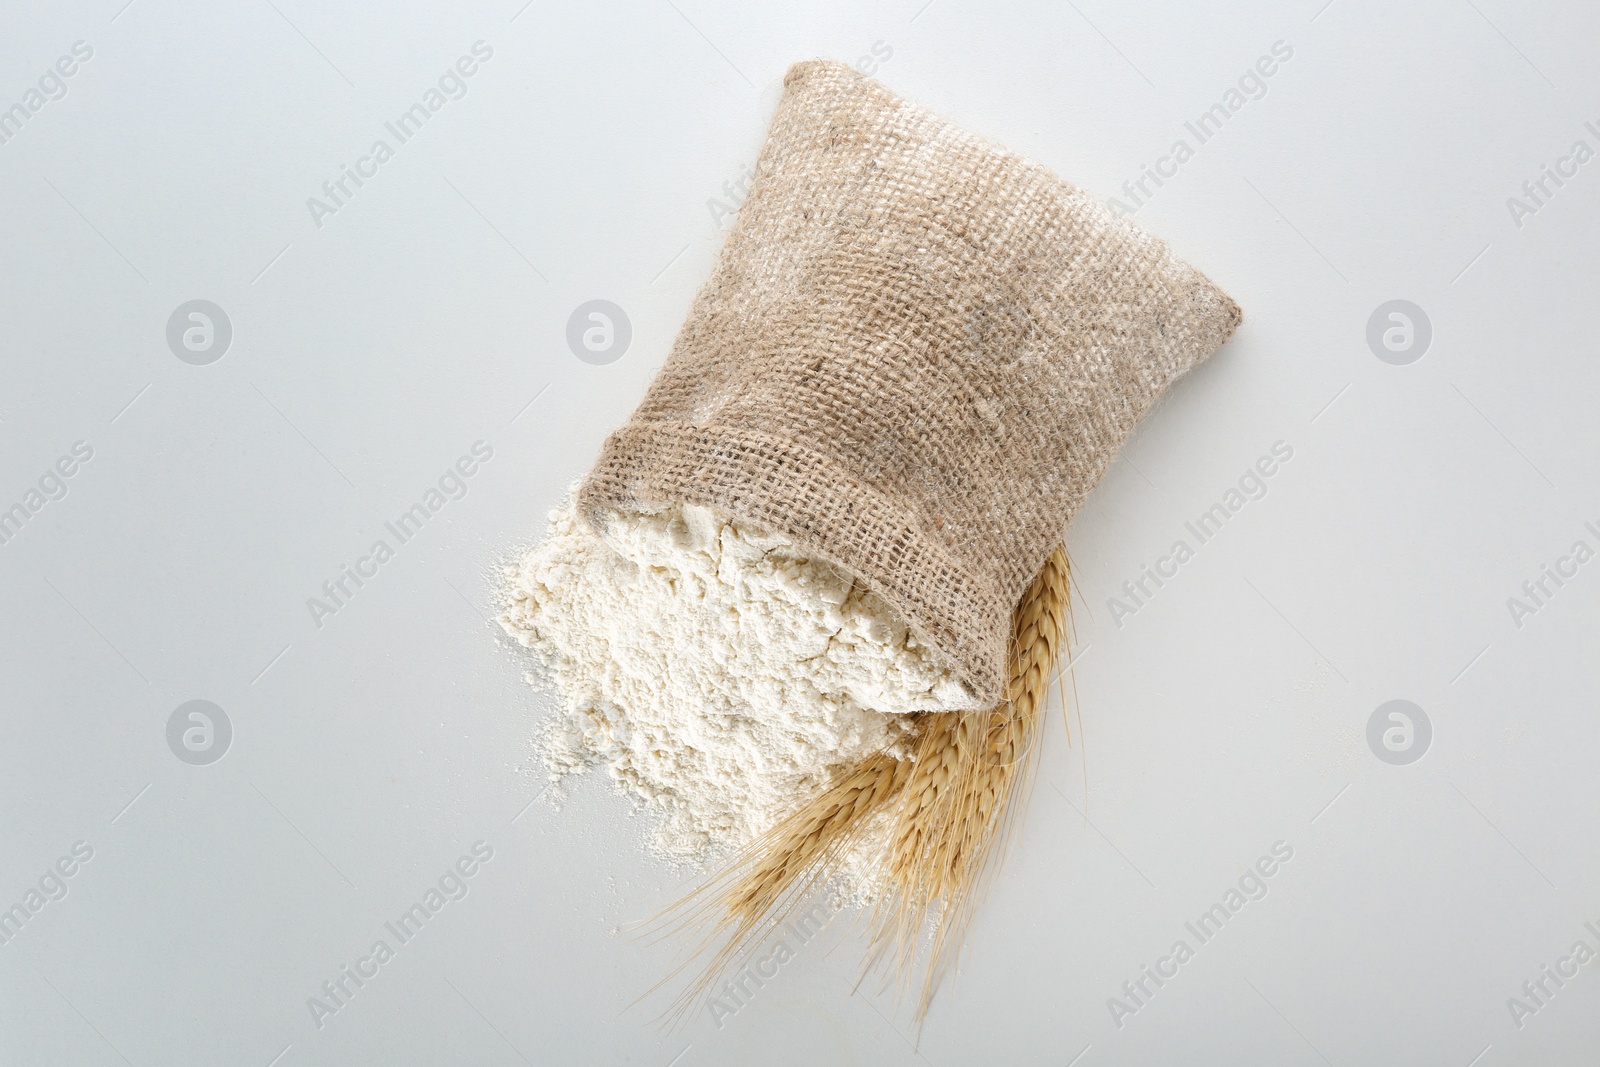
(719, 676)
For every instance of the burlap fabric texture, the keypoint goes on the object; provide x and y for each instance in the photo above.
(916, 354)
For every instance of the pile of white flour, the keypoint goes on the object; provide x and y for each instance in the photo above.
(720, 676)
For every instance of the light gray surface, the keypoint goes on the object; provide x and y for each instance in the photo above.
(430, 312)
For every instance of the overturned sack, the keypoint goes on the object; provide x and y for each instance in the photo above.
(916, 355)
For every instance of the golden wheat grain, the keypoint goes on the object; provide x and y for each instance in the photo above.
(954, 815)
(762, 884)
(949, 810)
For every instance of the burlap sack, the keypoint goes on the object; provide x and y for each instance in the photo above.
(915, 356)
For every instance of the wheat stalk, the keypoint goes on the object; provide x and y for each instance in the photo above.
(950, 814)
(957, 807)
(761, 885)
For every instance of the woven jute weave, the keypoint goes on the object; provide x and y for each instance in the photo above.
(916, 354)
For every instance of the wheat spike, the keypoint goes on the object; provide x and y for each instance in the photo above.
(957, 806)
(950, 810)
(762, 884)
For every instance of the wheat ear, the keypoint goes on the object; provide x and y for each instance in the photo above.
(955, 813)
(949, 808)
(762, 884)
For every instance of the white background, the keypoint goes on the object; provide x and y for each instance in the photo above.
(429, 312)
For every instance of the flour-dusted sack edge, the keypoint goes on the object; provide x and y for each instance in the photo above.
(915, 356)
